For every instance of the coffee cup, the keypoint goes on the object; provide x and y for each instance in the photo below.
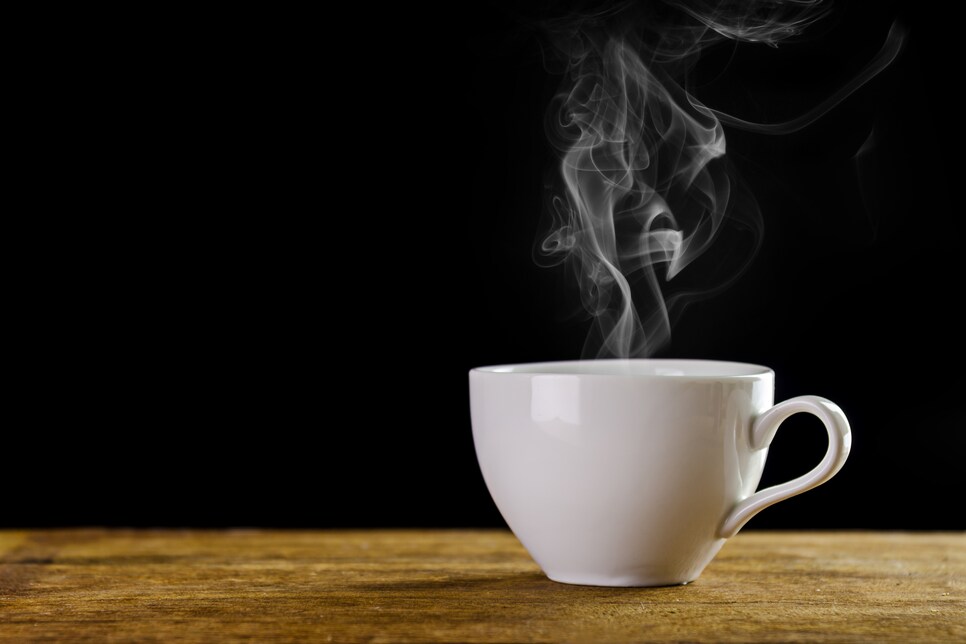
(634, 472)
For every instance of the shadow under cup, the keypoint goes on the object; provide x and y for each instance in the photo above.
(634, 472)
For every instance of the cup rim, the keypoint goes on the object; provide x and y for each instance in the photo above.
(635, 368)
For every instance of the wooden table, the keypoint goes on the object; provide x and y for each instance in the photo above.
(466, 586)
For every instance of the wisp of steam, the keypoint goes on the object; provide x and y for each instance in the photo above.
(646, 186)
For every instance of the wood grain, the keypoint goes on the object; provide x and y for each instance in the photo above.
(466, 586)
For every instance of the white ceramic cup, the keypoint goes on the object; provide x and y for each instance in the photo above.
(634, 472)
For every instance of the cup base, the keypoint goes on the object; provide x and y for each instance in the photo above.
(615, 582)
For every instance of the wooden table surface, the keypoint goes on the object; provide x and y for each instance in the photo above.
(466, 586)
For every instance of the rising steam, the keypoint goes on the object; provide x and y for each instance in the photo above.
(646, 185)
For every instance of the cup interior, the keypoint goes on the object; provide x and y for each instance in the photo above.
(643, 368)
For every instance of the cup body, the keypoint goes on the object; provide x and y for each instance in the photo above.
(619, 472)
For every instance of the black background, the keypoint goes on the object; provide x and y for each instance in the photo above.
(268, 249)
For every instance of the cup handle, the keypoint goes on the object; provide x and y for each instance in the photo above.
(763, 432)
